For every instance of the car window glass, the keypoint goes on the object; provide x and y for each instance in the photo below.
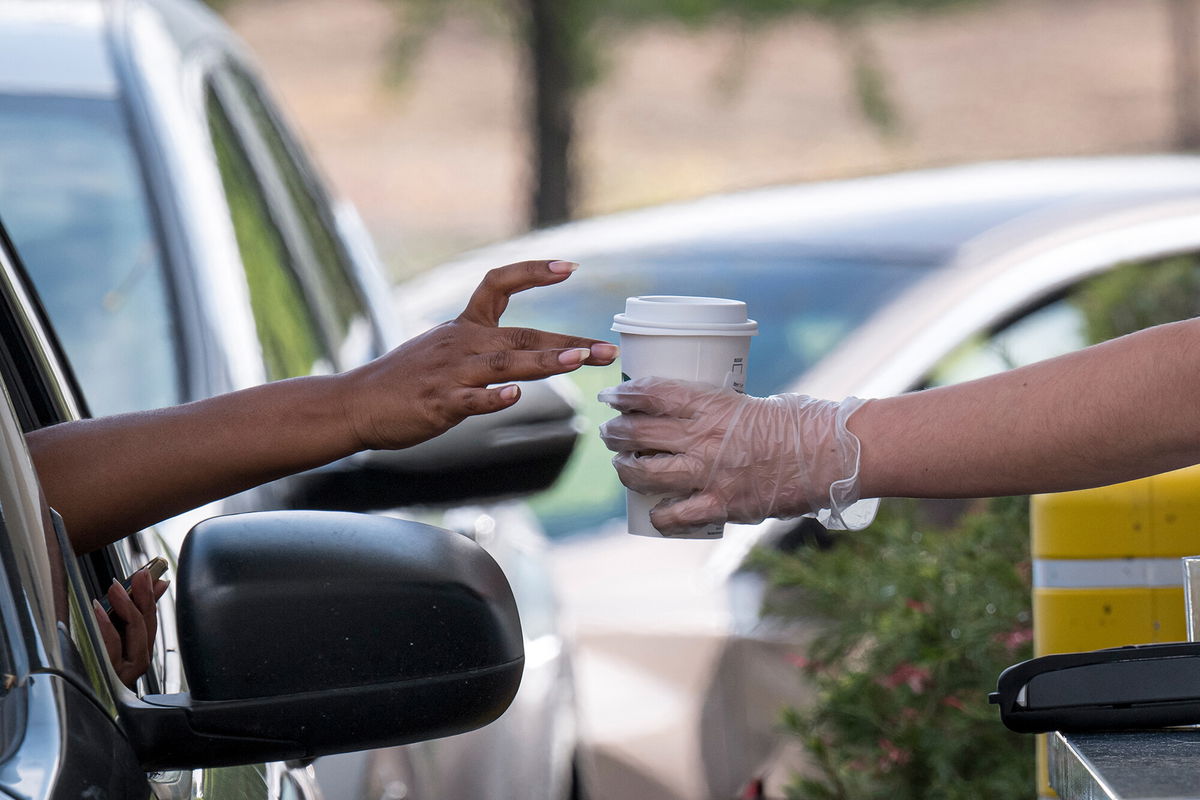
(1122, 300)
(335, 292)
(1047, 332)
(289, 337)
(74, 201)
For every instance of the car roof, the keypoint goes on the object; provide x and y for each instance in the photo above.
(926, 216)
(64, 47)
(55, 47)
(996, 276)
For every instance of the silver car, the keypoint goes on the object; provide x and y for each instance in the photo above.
(183, 245)
(872, 287)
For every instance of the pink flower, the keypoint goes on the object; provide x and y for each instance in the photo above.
(798, 661)
(892, 756)
(954, 701)
(809, 665)
(916, 678)
(919, 606)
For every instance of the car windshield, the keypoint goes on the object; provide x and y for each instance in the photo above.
(805, 305)
(74, 200)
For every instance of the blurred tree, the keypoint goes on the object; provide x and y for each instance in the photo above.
(1183, 19)
(563, 42)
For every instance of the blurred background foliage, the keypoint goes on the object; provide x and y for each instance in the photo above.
(1136, 296)
(564, 43)
(919, 621)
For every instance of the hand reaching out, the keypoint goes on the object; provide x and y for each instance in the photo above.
(723, 456)
(130, 642)
(110, 476)
(464, 367)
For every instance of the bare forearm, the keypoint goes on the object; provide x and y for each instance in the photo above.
(1117, 411)
(111, 476)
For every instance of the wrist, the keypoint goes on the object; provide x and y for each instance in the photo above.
(350, 425)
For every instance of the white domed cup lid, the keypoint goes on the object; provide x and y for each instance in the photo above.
(679, 315)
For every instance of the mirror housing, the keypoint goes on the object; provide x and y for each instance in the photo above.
(309, 633)
(517, 451)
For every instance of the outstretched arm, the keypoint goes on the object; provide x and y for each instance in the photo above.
(111, 476)
(1120, 410)
(1113, 412)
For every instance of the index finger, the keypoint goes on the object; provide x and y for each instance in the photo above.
(638, 432)
(601, 352)
(657, 396)
(490, 298)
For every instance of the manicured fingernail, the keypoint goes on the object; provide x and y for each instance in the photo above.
(509, 393)
(605, 351)
(99, 609)
(572, 357)
(563, 267)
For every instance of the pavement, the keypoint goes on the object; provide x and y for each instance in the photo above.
(680, 691)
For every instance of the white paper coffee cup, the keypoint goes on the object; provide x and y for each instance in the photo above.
(704, 339)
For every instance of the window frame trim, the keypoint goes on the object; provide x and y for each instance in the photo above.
(299, 259)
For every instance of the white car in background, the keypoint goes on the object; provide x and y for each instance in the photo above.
(872, 286)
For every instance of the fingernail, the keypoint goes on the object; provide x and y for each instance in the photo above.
(509, 392)
(99, 609)
(563, 267)
(606, 351)
(576, 356)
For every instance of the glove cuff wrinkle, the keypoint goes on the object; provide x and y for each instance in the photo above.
(846, 512)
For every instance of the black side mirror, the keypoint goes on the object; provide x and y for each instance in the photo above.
(306, 633)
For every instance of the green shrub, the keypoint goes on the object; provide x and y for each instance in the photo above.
(1139, 295)
(920, 622)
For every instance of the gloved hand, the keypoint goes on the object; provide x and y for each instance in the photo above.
(723, 456)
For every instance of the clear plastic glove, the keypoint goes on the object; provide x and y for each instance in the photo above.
(728, 457)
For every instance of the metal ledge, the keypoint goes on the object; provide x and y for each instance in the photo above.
(1134, 765)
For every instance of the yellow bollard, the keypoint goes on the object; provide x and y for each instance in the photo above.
(1106, 568)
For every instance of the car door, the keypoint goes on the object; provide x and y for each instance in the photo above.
(82, 208)
(59, 734)
(88, 725)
